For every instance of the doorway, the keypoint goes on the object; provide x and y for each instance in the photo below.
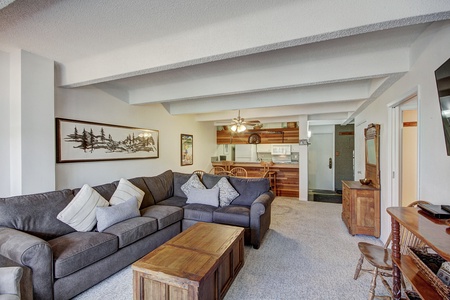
(404, 186)
(409, 158)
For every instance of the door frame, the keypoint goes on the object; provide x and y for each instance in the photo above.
(394, 142)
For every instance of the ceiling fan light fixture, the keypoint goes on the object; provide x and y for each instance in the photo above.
(238, 128)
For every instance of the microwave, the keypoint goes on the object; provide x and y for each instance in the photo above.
(281, 150)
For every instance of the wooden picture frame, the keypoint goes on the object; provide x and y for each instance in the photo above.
(372, 150)
(82, 141)
(187, 149)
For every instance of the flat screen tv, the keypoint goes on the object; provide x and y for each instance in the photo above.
(443, 86)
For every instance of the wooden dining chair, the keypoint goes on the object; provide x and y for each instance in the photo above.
(379, 257)
(199, 173)
(238, 172)
(218, 171)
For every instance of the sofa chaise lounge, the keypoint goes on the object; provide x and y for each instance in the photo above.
(64, 262)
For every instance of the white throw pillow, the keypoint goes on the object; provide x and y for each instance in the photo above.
(204, 196)
(125, 190)
(80, 212)
(227, 193)
(108, 216)
(193, 183)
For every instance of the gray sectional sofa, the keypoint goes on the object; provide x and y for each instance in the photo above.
(64, 262)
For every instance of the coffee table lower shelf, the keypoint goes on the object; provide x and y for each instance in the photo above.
(199, 263)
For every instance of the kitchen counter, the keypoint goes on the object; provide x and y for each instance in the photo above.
(287, 175)
(257, 164)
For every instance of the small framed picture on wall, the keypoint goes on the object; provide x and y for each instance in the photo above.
(187, 149)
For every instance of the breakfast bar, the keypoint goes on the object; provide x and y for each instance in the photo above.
(286, 175)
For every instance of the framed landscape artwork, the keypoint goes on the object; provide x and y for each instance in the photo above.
(81, 141)
(187, 149)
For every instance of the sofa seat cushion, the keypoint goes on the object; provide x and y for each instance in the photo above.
(165, 215)
(199, 212)
(233, 215)
(174, 201)
(131, 230)
(76, 250)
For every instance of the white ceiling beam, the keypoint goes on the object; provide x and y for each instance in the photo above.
(259, 30)
(281, 69)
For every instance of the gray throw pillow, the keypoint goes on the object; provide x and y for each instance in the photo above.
(108, 216)
(226, 192)
(193, 183)
(204, 196)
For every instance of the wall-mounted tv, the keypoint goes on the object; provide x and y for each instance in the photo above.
(442, 75)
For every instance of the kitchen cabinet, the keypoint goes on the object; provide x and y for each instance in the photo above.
(281, 149)
(268, 136)
(264, 148)
(245, 153)
(361, 208)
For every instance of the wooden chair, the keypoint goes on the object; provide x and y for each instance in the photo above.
(238, 172)
(218, 171)
(227, 164)
(199, 173)
(380, 257)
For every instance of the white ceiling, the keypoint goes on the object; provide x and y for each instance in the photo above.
(274, 60)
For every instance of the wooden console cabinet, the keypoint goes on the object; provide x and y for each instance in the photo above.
(361, 208)
(433, 232)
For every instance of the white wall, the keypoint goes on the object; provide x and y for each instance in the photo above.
(4, 125)
(92, 104)
(27, 102)
(430, 50)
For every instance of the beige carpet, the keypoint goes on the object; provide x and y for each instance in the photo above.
(307, 254)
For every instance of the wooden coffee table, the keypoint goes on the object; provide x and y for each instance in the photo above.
(199, 263)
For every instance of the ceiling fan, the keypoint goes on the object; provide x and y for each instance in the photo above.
(239, 124)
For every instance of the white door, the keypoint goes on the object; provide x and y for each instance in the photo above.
(320, 162)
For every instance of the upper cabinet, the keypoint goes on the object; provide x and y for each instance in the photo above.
(264, 136)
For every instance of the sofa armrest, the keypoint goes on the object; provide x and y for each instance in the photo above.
(260, 217)
(260, 205)
(33, 252)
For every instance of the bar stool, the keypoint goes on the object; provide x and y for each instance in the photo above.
(272, 175)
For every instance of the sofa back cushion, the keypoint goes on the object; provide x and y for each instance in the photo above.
(161, 186)
(140, 183)
(249, 189)
(105, 190)
(36, 213)
(178, 180)
(210, 180)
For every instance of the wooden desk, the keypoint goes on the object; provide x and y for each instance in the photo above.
(199, 263)
(431, 231)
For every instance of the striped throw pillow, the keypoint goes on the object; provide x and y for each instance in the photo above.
(125, 190)
(80, 212)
